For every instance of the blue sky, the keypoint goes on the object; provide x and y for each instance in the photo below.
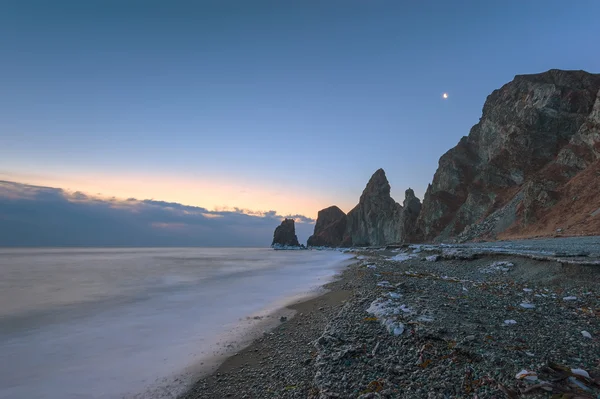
(266, 105)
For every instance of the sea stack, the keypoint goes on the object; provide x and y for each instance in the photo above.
(376, 220)
(285, 235)
(329, 229)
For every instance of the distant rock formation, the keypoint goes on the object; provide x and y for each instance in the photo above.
(376, 220)
(285, 235)
(329, 229)
(410, 213)
(536, 141)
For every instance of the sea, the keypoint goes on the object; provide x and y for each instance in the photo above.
(140, 322)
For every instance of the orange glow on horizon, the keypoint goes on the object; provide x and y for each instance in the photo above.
(207, 193)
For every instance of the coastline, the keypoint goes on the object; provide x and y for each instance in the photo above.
(270, 351)
(429, 323)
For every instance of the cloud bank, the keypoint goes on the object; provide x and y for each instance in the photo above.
(46, 216)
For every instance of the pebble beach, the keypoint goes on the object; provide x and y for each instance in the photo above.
(432, 322)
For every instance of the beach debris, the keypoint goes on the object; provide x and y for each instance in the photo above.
(570, 298)
(509, 322)
(586, 334)
(579, 384)
(527, 305)
(526, 375)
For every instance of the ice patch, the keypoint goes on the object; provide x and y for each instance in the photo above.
(383, 283)
(570, 298)
(371, 266)
(394, 295)
(510, 321)
(580, 372)
(526, 375)
(432, 258)
(497, 267)
(586, 334)
(527, 305)
(527, 289)
(401, 257)
(386, 310)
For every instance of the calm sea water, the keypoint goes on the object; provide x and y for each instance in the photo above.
(113, 323)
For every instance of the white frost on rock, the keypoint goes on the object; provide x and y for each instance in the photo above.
(527, 305)
(570, 298)
(586, 334)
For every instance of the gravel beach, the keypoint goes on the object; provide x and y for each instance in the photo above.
(433, 322)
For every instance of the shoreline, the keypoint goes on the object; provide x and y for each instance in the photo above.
(428, 323)
(312, 312)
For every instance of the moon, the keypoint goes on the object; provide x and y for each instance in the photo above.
(445, 96)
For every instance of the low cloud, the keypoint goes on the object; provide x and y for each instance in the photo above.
(46, 216)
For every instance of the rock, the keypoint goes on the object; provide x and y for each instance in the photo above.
(285, 235)
(329, 229)
(378, 219)
(535, 134)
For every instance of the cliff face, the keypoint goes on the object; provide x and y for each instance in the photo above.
(535, 134)
(378, 219)
(329, 229)
(285, 234)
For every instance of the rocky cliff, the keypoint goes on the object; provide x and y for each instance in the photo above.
(378, 219)
(536, 134)
(330, 228)
(285, 235)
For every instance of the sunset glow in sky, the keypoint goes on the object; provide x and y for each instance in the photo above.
(268, 105)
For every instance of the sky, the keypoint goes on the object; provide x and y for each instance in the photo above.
(261, 105)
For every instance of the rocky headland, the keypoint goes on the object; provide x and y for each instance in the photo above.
(529, 168)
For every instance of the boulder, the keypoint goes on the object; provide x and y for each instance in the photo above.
(285, 235)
